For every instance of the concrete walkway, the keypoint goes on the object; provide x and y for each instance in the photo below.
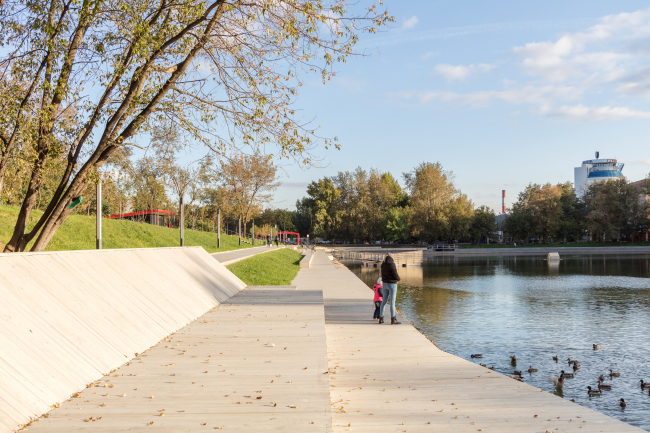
(229, 257)
(253, 364)
(392, 379)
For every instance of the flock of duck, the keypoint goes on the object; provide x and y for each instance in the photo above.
(575, 366)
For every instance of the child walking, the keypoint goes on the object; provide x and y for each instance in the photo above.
(377, 299)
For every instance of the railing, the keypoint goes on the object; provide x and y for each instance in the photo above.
(400, 258)
(444, 247)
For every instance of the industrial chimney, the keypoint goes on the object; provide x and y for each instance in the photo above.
(503, 201)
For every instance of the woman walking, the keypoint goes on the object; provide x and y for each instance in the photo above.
(390, 278)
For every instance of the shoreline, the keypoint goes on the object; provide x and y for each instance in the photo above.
(444, 392)
(522, 251)
(541, 251)
(478, 363)
(337, 261)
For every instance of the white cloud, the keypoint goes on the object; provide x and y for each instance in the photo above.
(451, 72)
(452, 32)
(639, 161)
(429, 54)
(577, 76)
(636, 83)
(410, 23)
(595, 114)
(601, 54)
(460, 72)
(567, 59)
(539, 95)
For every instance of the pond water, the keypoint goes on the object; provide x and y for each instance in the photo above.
(525, 306)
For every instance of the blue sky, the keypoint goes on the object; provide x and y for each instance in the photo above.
(501, 93)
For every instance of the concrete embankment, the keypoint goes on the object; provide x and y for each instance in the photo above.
(376, 253)
(539, 251)
(70, 317)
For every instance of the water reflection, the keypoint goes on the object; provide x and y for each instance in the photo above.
(501, 306)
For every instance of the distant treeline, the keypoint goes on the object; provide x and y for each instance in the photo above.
(609, 210)
(368, 206)
(362, 206)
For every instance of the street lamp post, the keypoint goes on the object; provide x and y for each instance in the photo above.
(219, 228)
(182, 224)
(99, 215)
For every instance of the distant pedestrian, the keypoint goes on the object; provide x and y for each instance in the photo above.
(515, 244)
(390, 278)
(277, 241)
(268, 241)
(377, 298)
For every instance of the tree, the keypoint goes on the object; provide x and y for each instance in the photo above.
(460, 212)
(284, 220)
(383, 194)
(572, 216)
(519, 222)
(351, 204)
(187, 181)
(148, 185)
(545, 208)
(537, 212)
(303, 217)
(323, 200)
(225, 71)
(432, 190)
(395, 225)
(614, 210)
(249, 181)
(483, 223)
(215, 198)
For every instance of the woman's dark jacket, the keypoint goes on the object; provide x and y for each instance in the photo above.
(389, 271)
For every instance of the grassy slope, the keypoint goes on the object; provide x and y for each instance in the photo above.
(276, 268)
(78, 233)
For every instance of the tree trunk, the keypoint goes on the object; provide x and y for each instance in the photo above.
(3, 170)
(48, 231)
(19, 238)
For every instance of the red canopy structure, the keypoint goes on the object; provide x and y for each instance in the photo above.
(284, 236)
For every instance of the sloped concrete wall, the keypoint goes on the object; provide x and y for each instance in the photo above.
(67, 318)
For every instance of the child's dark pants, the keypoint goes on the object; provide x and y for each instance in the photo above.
(377, 305)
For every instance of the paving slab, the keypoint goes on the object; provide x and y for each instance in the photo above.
(255, 363)
(387, 378)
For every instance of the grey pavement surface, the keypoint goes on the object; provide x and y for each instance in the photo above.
(253, 364)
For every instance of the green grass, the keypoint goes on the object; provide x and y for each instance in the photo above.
(560, 245)
(78, 233)
(276, 268)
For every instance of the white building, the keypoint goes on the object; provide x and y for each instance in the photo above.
(595, 170)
